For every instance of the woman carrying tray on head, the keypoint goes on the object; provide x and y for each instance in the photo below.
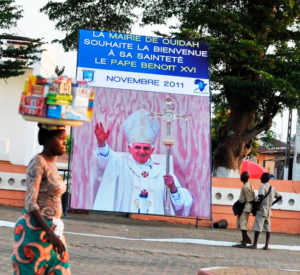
(39, 244)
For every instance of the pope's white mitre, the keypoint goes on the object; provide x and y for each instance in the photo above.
(140, 127)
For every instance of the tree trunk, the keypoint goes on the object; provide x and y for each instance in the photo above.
(234, 144)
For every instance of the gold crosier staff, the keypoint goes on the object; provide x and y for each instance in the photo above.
(168, 115)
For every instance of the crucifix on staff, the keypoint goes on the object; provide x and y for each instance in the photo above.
(168, 116)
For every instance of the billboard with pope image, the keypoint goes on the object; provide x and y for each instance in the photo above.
(152, 100)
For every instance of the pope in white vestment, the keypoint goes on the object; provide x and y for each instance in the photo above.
(133, 182)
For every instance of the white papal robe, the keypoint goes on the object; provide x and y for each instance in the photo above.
(122, 180)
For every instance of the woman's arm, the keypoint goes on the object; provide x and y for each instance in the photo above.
(58, 245)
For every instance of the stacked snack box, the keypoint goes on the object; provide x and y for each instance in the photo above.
(59, 98)
(33, 97)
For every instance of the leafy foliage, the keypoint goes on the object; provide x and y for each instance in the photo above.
(252, 63)
(106, 15)
(221, 114)
(255, 61)
(16, 53)
(220, 117)
(9, 14)
(254, 53)
(69, 143)
(268, 139)
(254, 147)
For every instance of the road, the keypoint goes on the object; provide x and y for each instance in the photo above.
(105, 243)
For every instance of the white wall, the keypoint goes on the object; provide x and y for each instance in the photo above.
(16, 133)
(48, 61)
(296, 164)
(18, 138)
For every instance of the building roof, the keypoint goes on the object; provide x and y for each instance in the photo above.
(279, 148)
(15, 38)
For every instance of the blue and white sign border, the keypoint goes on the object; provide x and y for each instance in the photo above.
(194, 81)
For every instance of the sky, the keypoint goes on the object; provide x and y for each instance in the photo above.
(37, 25)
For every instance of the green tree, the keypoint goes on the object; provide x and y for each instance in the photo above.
(254, 55)
(268, 139)
(69, 143)
(220, 116)
(70, 16)
(16, 53)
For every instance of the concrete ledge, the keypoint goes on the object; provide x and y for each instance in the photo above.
(285, 217)
(12, 181)
(227, 196)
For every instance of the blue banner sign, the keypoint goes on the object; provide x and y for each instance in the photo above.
(127, 61)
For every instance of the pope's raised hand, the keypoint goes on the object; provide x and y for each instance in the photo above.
(169, 181)
(100, 134)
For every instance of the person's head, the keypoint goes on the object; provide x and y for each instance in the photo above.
(141, 131)
(265, 177)
(53, 138)
(244, 177)
(141, 152)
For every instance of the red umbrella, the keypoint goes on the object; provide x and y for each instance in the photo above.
(255, 170)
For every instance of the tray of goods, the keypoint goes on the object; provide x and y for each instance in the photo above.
(53, 121)
(57, 100)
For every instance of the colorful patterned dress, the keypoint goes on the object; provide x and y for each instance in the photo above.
(33, 253)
